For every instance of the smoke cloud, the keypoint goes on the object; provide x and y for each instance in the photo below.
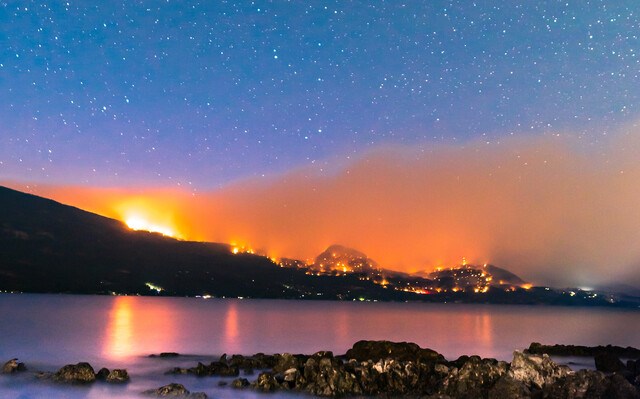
(550, 208)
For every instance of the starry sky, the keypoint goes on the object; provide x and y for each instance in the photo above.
(417, 132)
(200, 94)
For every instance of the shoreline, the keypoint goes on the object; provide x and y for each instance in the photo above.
(375, 368)
(614, 306)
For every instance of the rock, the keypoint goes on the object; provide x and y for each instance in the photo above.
(118, 376)
(285, 362)
(536, 371)
(174, 390)
(590, 384)
(43, 375)
(202, 370)
(166, 354)
(608, 362)
(582, 384)
(13, 366)
(585, 351)
(620, 388)
(257, 361)
(240, 383)
(102, 374)
(402, 351)
(266, 382)
(80, 373)
(509, 388)
(328, 377)
(474, 378)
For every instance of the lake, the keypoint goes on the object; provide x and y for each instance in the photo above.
(48, 331)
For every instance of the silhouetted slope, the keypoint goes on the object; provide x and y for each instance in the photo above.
(49, 247)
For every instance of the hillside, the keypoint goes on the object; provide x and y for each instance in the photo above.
(46, 246)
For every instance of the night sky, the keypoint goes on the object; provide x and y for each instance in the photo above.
(419, 133)
(202, 94)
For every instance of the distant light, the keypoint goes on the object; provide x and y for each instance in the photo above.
(154, 287)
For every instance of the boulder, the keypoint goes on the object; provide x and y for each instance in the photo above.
(285, 362)
(166, 354)
(582, 384)
(266, 382)
(80, 373)
(619, 388)
(13, 366)
(590, 384)
(474, 378)
(508, 387)
(328, 377)
(118, 376)
(174, 390)
(102, 374)
(239, 383)
(214, 368)
(608, 362)
(402, 351)
(536, 371)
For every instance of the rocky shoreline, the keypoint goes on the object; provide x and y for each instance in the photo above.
(390, 369)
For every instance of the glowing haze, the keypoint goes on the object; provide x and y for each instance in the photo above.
(549, 208)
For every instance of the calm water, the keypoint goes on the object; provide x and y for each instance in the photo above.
(48, 331)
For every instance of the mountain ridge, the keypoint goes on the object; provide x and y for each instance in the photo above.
(50, 247)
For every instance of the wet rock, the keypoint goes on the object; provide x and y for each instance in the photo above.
(203, 370)
(240, 383)
(165, 354)
(474, 378)
(509, 388)
(328, 377)
(43, 375)
(102, 374)
(608, 362)
(582, 384)
(13, 366)
(585, 351)
(266, 382)
(118, 376)
(80, 373)
(257, 361)
(402, 351)
(174, 390)
(285, 362)
(620, 388)
(536, 371)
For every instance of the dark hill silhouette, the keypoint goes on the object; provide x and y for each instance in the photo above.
(46, 246)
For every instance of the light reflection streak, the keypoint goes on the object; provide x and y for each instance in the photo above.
(119, 339)
(140, 326)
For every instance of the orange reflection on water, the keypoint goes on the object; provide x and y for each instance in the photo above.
(138, 326)
(231, 327)
(119, 340)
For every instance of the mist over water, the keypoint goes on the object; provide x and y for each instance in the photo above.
(48, 331)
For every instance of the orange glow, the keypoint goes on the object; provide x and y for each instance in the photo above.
(138, 326)
(422, 209)
(231, 328)
(119, 342)
(526, 286)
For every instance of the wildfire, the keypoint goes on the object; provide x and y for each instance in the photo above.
(139, 223)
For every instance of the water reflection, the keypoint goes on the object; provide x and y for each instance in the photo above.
(231, 327)
(138, 326)
(119, 339)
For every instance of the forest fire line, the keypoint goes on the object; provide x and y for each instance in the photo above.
(422, 209)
